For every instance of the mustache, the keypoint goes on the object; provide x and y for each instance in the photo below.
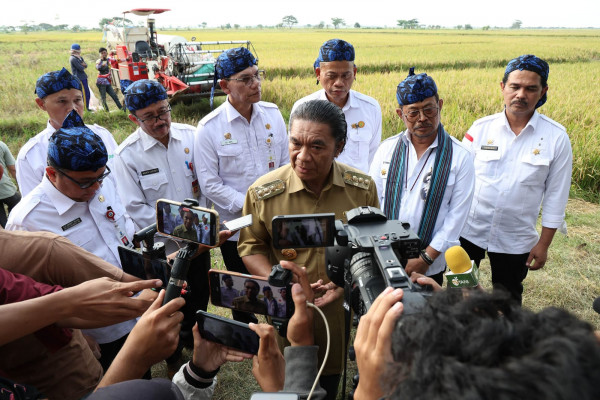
(521, 102)
(419, 126)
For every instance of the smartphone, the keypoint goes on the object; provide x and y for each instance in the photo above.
(249, 293)
(227, 332)
(193, 224)
(239, 223)
(301, 231)
(134, 263)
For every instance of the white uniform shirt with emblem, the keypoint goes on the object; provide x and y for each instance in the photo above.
(363, 117)
(457, 197)
(32, 158)
(146, 171)
(83, 223)
(231, 153)
(514, 174)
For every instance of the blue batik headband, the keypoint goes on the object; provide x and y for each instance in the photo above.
(335, 50)
(54, 82)
(231, 62)
(140, 94)
(76, 147)
(415, 88)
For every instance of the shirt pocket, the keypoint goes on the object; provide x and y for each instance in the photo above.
(357, 147)
(486, 162)
(533, 170)
(230, 160)
(153, 185)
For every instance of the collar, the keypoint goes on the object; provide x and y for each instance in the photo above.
(349, 103)
(406, 136)
(232, 113)
(61, 202)
(148, 141)
(531, 124)
(296, 184)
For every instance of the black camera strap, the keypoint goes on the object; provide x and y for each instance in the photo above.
(347, 322)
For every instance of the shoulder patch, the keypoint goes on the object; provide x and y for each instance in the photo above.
(211, 115)
(266, 104)
(357, 179)
(269, 190)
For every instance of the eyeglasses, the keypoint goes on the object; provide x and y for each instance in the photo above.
(413, 115)
(87, 184)
(249, 79)
(165, 112)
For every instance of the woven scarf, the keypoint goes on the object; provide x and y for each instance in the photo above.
(439, 179)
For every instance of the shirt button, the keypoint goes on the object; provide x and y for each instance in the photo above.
(179, 189)
(173, 171)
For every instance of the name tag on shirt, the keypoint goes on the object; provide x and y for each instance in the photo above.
(494, 148)
(150, 172)
(71, 224)
(228, 141)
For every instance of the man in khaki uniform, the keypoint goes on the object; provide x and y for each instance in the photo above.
(312, 183)
(186, 230)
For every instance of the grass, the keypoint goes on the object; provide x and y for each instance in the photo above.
(467, 66)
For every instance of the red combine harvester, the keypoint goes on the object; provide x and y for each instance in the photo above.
(185, 69)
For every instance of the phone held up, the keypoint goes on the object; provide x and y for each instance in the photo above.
(303, 231)
(250, 293)
(227, 332)
(192, 224)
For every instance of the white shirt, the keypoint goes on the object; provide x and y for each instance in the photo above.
(83, 223)
(33, 156)
(231, 153)
(362, 141)
(457, 197)
(146, 171)
(514, 173)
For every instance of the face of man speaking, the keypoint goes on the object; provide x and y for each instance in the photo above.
(155, 120)
(522, 91)
(67, 182)
(422, 118)
(312, 151)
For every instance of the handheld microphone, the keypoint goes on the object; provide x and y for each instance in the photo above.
(463, 272)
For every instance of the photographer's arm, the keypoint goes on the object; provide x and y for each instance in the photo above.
(154, 338)
(257, 264)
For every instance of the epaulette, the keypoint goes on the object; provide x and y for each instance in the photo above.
(553, 122)
(357, 179)
(269, 190)
(25, 207)
(266, 104)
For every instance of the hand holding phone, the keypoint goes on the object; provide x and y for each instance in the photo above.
(192, 224)
(227, 332)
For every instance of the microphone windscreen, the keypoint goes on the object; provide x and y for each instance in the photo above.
(458, 260)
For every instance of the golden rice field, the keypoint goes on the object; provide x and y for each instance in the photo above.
(467, 66)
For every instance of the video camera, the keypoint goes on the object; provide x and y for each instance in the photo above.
(366, 253)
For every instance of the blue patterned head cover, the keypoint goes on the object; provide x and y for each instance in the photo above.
(140, 94)
(415, 88)
(56, 81)
(72, 120)
(335, 50)
(529, 62)
(233, 61)
(77, 148)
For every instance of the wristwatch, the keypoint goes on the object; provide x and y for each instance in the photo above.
(428, 260)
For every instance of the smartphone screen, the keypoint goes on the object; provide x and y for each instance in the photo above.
(249, 293)
(193, 224)
(134, 263)
(275, 396)
(301, 231)
(227, 332)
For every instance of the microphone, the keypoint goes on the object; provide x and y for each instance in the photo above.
(463, 272)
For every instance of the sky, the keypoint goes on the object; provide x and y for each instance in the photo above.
(478, 13)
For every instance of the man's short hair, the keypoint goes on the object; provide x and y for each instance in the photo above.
(225, 277)
(101, 49)
(267, 288)
(485, 346)
(323, 112)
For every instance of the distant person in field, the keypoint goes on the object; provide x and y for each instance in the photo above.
(78, 66)
(58, 93)
(9, 196)
(336, 71)
(522, 158)
(424, 176)
(103, 82)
